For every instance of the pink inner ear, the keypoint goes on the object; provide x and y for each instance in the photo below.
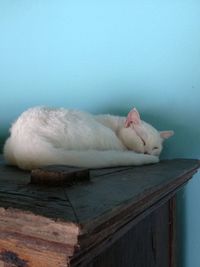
(166, 134)
(133, 117)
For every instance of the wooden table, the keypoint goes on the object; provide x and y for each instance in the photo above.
(122, 217)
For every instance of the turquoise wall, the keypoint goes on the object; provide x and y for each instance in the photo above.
(107, 56)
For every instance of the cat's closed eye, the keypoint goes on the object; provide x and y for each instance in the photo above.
(155, 148)
(144, 143)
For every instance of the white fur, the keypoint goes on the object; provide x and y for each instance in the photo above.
(44, 136)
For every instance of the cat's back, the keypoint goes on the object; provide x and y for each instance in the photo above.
(46, 118)
(66, 128)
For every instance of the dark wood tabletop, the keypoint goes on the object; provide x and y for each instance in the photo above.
(86, 215)
(108, 190)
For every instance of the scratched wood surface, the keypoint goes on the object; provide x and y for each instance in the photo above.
(56, 223)
(109, 190)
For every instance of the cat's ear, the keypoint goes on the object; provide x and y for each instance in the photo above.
(166, 134)
(133, 117)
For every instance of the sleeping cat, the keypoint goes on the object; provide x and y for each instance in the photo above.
(43, 136)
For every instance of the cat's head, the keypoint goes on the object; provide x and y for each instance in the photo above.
(140, 136)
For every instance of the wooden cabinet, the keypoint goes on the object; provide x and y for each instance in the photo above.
(122, 217)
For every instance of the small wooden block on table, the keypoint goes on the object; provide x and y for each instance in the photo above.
(122, 217)
(55, 175)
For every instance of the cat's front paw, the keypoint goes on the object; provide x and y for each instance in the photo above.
(155, 159)
(149, 159)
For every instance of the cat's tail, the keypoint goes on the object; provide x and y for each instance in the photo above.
(41, 156)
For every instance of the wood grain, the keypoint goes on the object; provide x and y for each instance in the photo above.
(72, 226)
(149, 249)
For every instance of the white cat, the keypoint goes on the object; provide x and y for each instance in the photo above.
(44, 136)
